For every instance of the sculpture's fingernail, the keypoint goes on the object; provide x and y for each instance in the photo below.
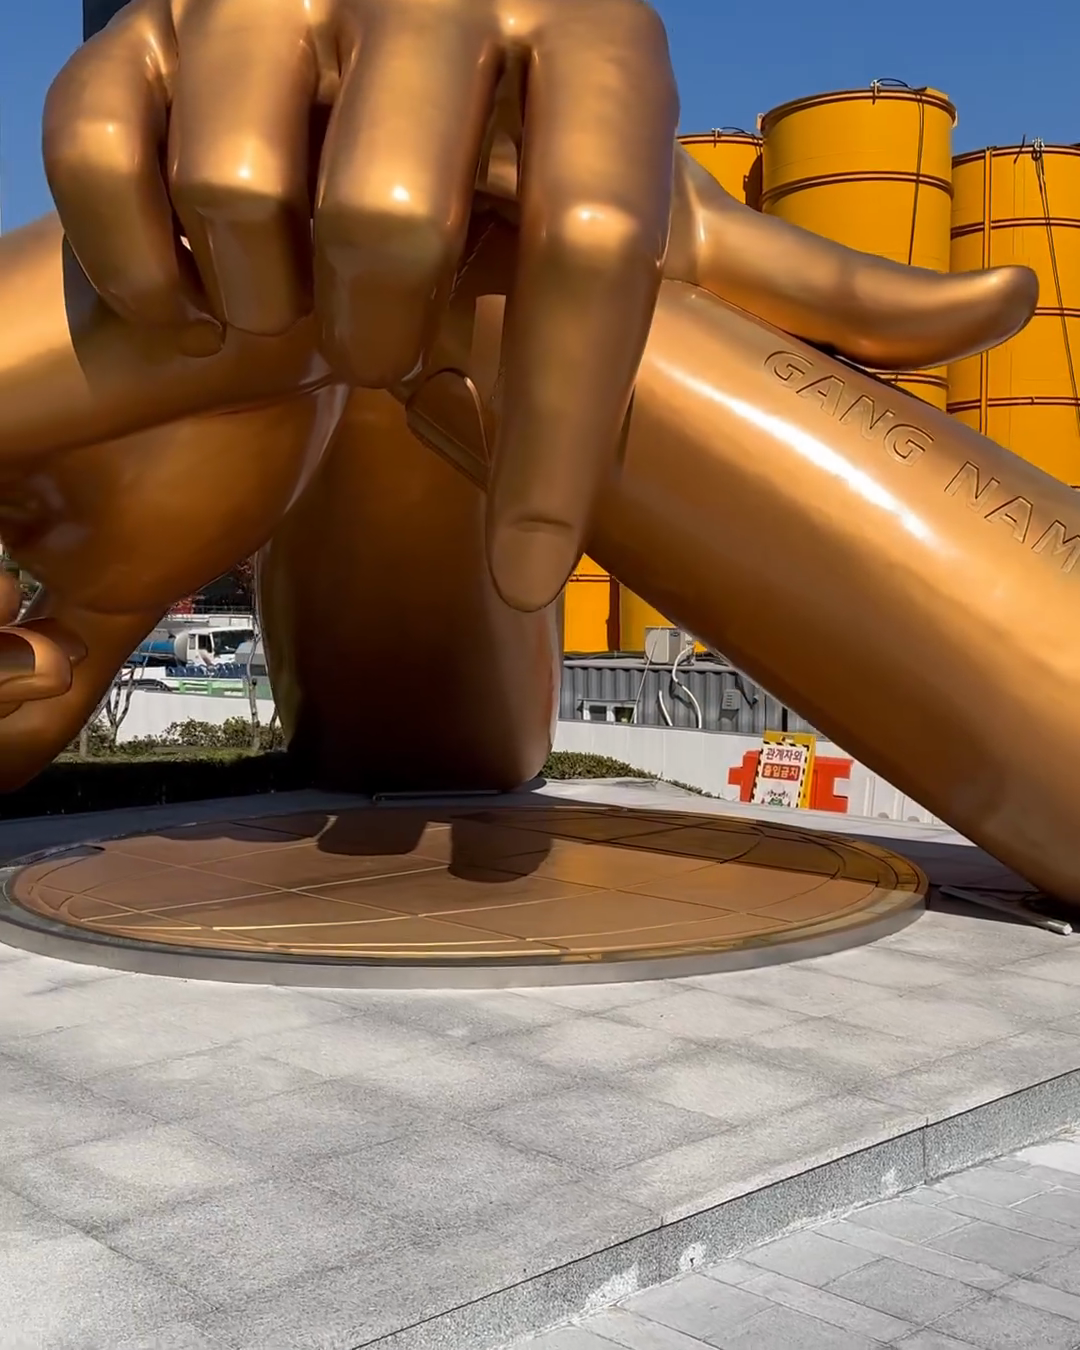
(531, 560)
(201, 338)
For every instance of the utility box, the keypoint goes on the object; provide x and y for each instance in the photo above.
(663, 645)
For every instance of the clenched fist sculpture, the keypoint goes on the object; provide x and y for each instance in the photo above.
(304, 244)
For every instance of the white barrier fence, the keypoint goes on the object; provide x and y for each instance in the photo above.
(716, 762)
(152, 711)
(723, 765)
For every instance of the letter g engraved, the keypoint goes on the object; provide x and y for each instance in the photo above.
(786, 366)
(906, 443)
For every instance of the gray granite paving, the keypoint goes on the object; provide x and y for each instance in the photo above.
(986, 1259)
(187, 1165)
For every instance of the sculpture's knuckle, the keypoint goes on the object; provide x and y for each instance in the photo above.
(598, 236)
(410, 243)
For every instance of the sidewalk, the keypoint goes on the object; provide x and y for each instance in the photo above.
(988, 1259)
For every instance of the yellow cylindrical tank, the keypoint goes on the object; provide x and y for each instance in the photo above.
(590, 610)
(1021, 204)
(635, 615)
(870, 168)
(733, 157)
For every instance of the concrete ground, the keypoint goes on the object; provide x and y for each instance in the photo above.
(191, 1166)
(986, 1259)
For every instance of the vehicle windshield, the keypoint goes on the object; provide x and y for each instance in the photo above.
(227, 640)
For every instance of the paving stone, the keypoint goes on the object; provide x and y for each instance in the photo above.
(108, 1181)
(568, 1338)
(175, 1026)
(904, 1219)
(75, 1293)
(794, 988)
(1031, 1000)
(891, 969)
(1013, 1253)
(913, 1254)
(581, 1045)
(1053, 1179)
(706, 1015)
(1058, 966)
(700, 1307)
(179, 1336)
(832, 1049)
(621, 1328)
(734, 1088)
(331, 1117)
(33, 1002)
(460, 1016)
(191, 1085)
(347, 1045)
(346, 1306)
(1063, 1155)
(787, 1329)
(902, 1290)
(993, 1186)
(809, 1257)
(461, 1080)
(43, 1111)
(950, 937)
(1014, 1218)
(250, 1239)
(439, 1175)
(1062, 1207)
(995, 1323)
(828, 1307)
(690, 1177)
(595, 1128)
(933, 1340)
(982, 1073)
(1044, 1296)
(1063, 1272)
(935, 1020)
(733, 1271)
(591, 998)
(22, 1224)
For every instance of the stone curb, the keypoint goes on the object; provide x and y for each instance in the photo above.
(886, 1169)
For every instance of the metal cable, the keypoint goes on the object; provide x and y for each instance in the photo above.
(875, 86)
(1037, 148)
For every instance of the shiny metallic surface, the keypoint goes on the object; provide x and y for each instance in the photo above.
(872, 169)
(201, 112)
(1021, 204)
(868, 591)
(875, 555)
(515, 891)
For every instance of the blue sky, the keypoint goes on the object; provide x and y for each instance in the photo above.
(1011, 68)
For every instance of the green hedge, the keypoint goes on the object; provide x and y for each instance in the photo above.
(194, 761)
(105, 784)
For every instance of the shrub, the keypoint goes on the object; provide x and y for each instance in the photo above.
(180, 775)
(195, 761)
(563, 764)
(233, 734)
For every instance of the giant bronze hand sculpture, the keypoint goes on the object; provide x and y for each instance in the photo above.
(828, 533)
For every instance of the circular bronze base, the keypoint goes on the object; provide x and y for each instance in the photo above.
(525, 894)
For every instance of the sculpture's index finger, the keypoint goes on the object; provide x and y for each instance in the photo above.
(596, 182)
